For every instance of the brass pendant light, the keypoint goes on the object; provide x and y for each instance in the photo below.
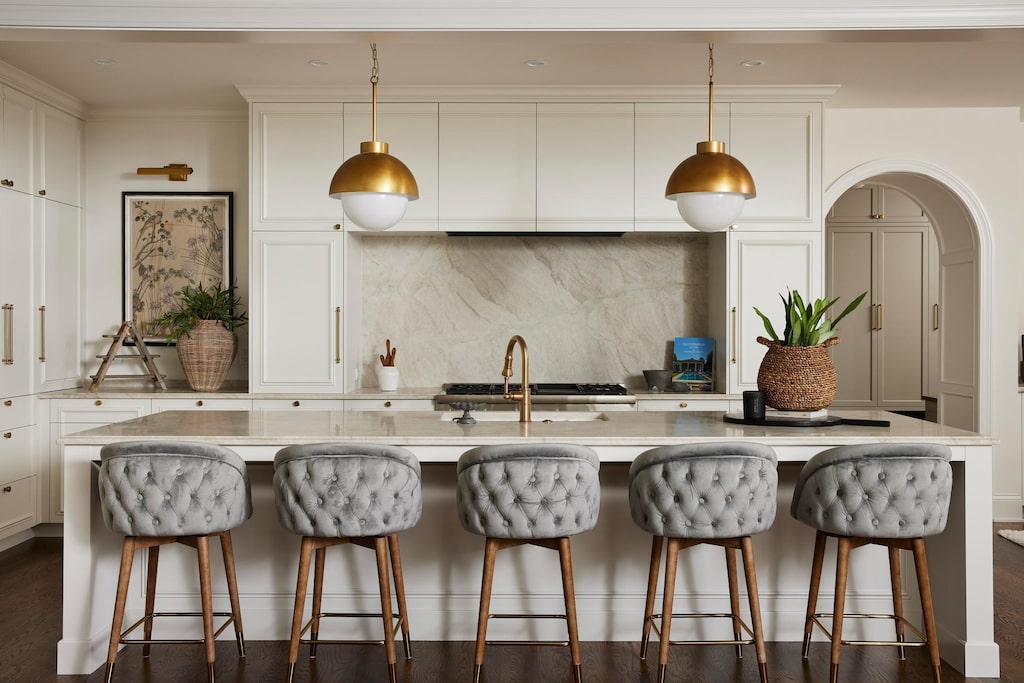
(373, 186)
(710, 186)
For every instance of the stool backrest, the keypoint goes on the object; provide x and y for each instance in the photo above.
(876, 490)
(172, 488)
(528, 490)
(339, 490)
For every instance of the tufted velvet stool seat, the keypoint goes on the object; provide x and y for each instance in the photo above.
(716, 493)
(535, 494)
(886, 494)
(160, 492)
(363, 494)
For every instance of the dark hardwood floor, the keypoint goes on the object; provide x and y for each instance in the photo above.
(30, 626)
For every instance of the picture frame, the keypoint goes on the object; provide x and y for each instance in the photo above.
(169, 240)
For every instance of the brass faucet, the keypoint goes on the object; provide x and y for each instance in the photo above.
(522, 396)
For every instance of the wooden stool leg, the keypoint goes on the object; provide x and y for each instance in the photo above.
(569, 594)
(228, 553)
(671, 562)
(305, 555)
(734, 596)
(755, 606)
(812, 593)
(380, 545)
(206, 592)
(318, 595)
(897, 596)
(490, 550)
(147, 630)
(842, 571)
(652, 589)
(123, 576)
(927, 608)
(396, 571)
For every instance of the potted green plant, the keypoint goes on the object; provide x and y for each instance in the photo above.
(797, 372)
(202, 326)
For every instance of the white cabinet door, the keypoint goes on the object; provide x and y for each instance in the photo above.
(58, 306)
(487, 167)
(780, 144)
(16, 352)
(666, 134)
(58, 155)
(296, 148)
(389, 404)
(411, 133)
(850, 264)
(162, 404)
(17, 123)
(295, 314)
(748, 270)
(585, 167)
(298, 404)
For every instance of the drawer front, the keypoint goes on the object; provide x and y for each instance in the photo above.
(101, 410)
(16, 453)
(16, 412)
(298, 404)
(17, 502)
(682, 403)
(161, 404)
(389, 404)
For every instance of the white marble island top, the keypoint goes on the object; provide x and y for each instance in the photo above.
(620, 435)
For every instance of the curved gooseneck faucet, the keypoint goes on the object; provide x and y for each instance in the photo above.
(522, 396)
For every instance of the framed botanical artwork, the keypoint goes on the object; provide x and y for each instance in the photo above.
(172, 239)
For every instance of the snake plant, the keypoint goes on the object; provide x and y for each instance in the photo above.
(807, 324)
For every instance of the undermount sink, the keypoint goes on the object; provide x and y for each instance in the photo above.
(537, 416)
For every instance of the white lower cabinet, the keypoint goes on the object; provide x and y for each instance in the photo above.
(389, 404)
(298, 404)
(683, 403)
(162, 404)
(18, 485)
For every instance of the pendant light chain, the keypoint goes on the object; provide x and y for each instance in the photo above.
(374, 77)
(711, 90)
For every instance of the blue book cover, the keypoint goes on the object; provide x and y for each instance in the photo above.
(693, 362)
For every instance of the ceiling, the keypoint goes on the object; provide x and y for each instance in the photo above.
(186, 69)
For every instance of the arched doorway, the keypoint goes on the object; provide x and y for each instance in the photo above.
(964, 238)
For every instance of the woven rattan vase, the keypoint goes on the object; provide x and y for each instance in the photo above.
(797, 377)
(206, 354)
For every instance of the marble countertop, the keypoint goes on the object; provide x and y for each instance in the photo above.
(436, 428)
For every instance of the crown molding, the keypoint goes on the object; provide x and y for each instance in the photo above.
(626, 93)
(40, 90)
(141, 114)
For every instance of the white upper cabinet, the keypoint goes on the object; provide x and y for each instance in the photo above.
(296, 148)
(876, 203)
(585, 167)
(667, 133)
(411, 133)
(780, 144)
(487, 167)
(58, 305)
(16, 317)
(17, 122)
(58, 156)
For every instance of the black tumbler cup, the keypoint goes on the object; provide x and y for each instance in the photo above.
(753, 405)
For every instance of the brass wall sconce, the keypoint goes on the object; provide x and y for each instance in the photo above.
(172, 171)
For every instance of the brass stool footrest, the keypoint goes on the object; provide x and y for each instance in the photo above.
(172, 641)
(525, 615)
(397, 617)
(718, 615)
(816, 620)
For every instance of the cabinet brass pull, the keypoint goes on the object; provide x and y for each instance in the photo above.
(879, 316)
(734, 335)
(8, 435)
(683, 404)
(8, 403)
(935, 316)
(8, 357)
(42, 334)
(296, 404)
(42, 193)
(337, 334)
(387, 404)
(7, 489)
(199, 403)
(98, 402)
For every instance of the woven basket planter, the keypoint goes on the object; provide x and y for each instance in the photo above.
(797, 377)
(206, 354)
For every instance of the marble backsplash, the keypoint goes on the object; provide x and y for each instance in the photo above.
(592, 309)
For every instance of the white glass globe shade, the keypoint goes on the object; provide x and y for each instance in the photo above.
(710, 211)
(374, 210)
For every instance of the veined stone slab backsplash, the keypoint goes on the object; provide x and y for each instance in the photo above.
(592, 309)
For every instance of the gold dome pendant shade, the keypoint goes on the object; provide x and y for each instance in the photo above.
(711, 186)
(373, 186)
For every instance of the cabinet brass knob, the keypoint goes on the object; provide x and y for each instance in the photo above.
(42, 193)
(337, 226)
(8, 403)
(199, 403)
(387, 404)
(296, 404)
(98, 402)
(7, 489)
(682, 404)
(8, 435)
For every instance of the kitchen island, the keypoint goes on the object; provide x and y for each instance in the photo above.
(442, 562)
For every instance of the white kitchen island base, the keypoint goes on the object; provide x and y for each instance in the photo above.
(442, 563)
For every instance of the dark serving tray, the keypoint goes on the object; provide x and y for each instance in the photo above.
(827, 421)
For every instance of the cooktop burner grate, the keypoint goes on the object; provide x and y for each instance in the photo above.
(538, 389)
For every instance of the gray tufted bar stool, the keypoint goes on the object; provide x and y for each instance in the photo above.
(160, 492)
(528, 494)
(715, 493)
(892, 495)
(363, 494)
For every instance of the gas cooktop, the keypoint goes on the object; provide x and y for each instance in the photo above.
(540, 392)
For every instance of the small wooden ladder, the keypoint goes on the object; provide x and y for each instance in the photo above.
(126, 333)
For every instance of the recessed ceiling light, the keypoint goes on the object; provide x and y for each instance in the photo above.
(103, 61)
(536, 63)
(318, 62)
(753, 63)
